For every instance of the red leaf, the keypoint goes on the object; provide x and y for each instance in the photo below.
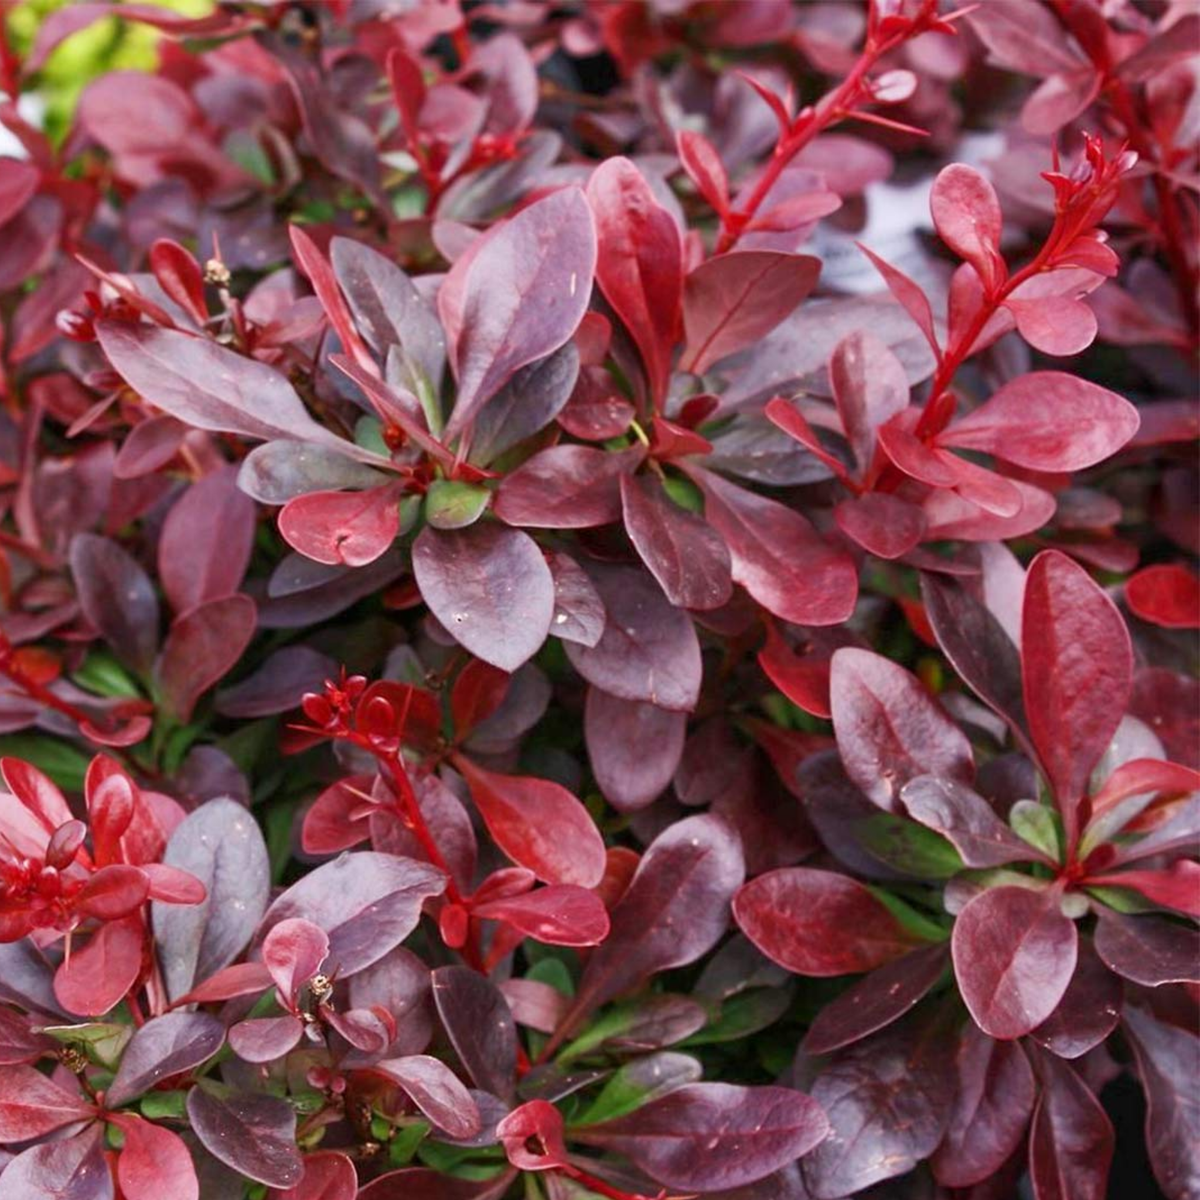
(881, 523)
(1077, 668)
(37, 793)
(328, 1175)
(777, 555)
(320, 274)
(179, 275)
(819, 923)
(1014, 955)
(870, 386)
(33, 1105)
(705, 169)
(565, 487)
(1047, 421)
(154, 1162)
(735, 299)
(538, 824)
(478, 692)
(560, 915)
(1167, 595)
(639, 264)
(113, 892)
(353, 528)
(532, 1137)
(100, 973)
(1177, 886)
(1058, 325)
(293, 952)
(967, 216)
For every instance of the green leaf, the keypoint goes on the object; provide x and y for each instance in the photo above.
(102, 675)
(742, 1015)
(450, 504)
(64, 764)
(914, 922)
(103, 1042)
(1038, 825)
(368, 433)
(908, 847)
(158, 1106)
(685, 493)
(403, 1144)
(555, 972)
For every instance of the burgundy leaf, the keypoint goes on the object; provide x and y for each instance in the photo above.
(819, 923)
(882, 524)
(162, 1047)
(565, 487)
(639, 266)
(648, 651)
(293, 952)
(674, 910)
(560, 915)
(518, 296)
(253, 1134)
(875, 1001)
(72, 1169)
(265, 1039)
(889, 729)
(992, 1105)
(1071, 1142)
(1148, 950)
(734, 299)
(1088, 1012)
(681, 550)
(538, 824)
(278, 471)
(634, 748)
(436, 1091)
(202, 645)
(1078, 670)
(1014, 955)
(328, 1175)
(714, 1135)
(870, 386)
(490, 587)
(777, 555)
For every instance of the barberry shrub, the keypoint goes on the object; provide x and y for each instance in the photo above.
(589, 609)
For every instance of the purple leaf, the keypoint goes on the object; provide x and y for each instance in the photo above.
(1088, 1012)
(280, 471)
(648, 651)
(1014, 955)
(565, 487)
(436, 1091)
(870, 386)
(366, 902)
(206, 541)
(221, 845)
(164, 1046)
(889, 729)
(711, 1136)
(579, 614)
(202, 645)
(253, 1134)
(634, 748)
(480, 1027)
(681, 550)
(490, 587)
(117, 597)
(1148, 950)
(73, 1169)
(518, 296)
(1071, 1142)
(993, 1101)
(33, 1105)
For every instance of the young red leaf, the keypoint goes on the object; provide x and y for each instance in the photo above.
(37, 793)
(909, 294)
(521, 295)
(99, 974)
(320, 274)
(1058, 325)
(353, 528)
(1014, 955)
(32, 1105)
(202, 645)
(490, 587)
(179, 275)
(992, 1105)
(154, 1162)
(705, 169)
(1047, 421)
(538, 824)
(1166, 594)
(560, 915)
(1077, 669)
(733, 300)
(889, 729)
(639, 266)
(1176, 887)
(532, 1137)
(882, 524)
(967, 216)
(293, 952)
(206, 541)
(777, 556)
(681, 550)
(114, 891)
(710, 1136)
(819, 923)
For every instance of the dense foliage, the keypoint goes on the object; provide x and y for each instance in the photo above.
(534, 665)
